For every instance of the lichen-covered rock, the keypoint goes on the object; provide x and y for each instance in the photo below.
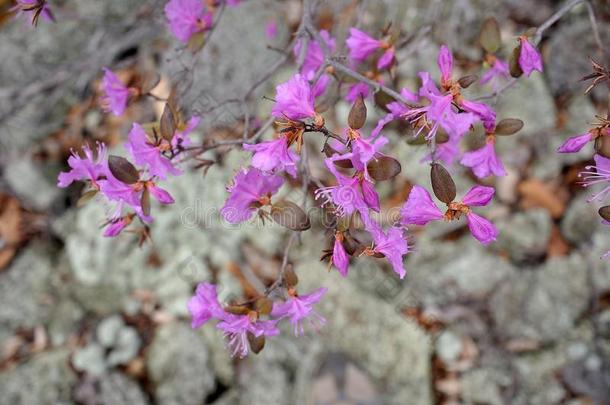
(544, 304)
(178, 363)
(580, 221)
(44, 379)
(525, 235)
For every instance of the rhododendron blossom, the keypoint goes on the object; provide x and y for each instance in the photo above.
(187, 17)
(294, 99)
(298, 308)
(529, 58)
(90, 167)
(116, 93)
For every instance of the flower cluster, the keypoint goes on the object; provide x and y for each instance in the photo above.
(129, 188)
(243, 324)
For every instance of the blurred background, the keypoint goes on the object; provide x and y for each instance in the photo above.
(92, 320)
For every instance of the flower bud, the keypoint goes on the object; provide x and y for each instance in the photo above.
(290, 278)
(514, 67)
(490, 37)
(122, 169)
(442, 183)
(257, 344)
(508, 126)
(357, 115)
(168, 123)
(604, 212)
(466, 81)
(602, 146)
(264, 306)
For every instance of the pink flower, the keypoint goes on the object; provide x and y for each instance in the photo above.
(361, 45)
(357, 90)
(574, 143)
(481, 228)
(274, 156)
(529, 57)
(181, 138)
(340, 258)
(204, 305)
(445, 64)
(298, 308)
(478, 196)
(294, 99)
(419, 209)
(187, 17)
(346, 196)
(250, 186)
(314, 56)
(599, 173)
(116, 93)
(484, 162)
(386, 59)
(485, 113)
(498, 70)
(115, 226)
(131, 194)
(149, 155)
(371, 198)
(237, 327)
(29, 8)
(90, 167)
(366, 149)
(392, 245)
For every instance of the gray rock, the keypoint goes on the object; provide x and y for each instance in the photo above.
(580, 221)
(483, 385)
(117, 389)
(30, 184)
(525, 235)
(44, 379)
(108, 330)
(178, 364)
(448, 346)
(90, 359)
(542, 305)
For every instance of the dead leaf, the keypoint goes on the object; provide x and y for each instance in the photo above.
(536, 193)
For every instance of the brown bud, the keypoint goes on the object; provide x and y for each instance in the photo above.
(514, 67)
(196, 42)
(237, 309)
(263, 306)
(257, 344)
(357, 115)
(602, 146)
(383, 168)
(86, 197)
(145, 202)
(442, 183)
(168, 123)
(329, 151)
(382, 99)
(290, 278)
(604, 212)
(509, 126)
(290, 215)
(490, 37)
(467, 80)
(149, 82)
(122, 169)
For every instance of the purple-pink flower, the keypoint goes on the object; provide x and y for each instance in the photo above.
(599, 173)
(314, 56)
(297, 308)
(91, 167)
(149, 155)
(484, 112)
(187, 17)
(392, 244)
(294, 99)
(529, 57)
(237, 327)
(357, 90)
(250, 186)
(361, 44)
(274, 156)
(497, 71)
(575, 143)
(204, 305)
(419, 209)
(116, 93)
(340, 258)
(30, 8)
(484, 161)
(445, 64)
